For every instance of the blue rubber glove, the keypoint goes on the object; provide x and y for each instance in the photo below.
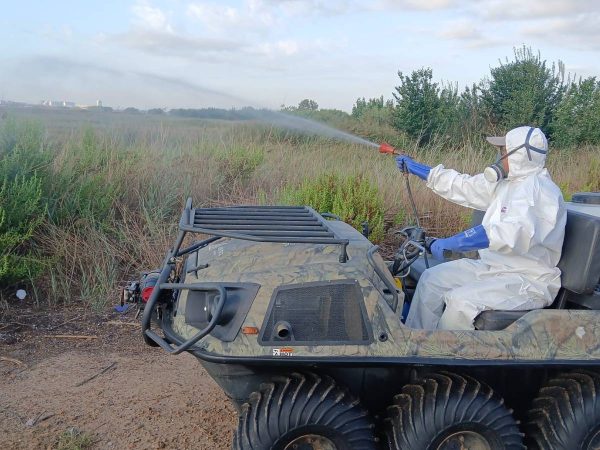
(407, 164)
(437, 250)
(465, 241)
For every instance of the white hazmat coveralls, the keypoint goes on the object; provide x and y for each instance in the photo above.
(525, 224)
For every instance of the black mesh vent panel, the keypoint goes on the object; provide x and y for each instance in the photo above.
(331, 312)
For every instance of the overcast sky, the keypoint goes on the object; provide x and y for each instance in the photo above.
(178, 53)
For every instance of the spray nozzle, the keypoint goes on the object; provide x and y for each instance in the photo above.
(384, 147)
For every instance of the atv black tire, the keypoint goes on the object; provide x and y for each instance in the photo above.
(566, 413)
(303, 411)
(446, 411)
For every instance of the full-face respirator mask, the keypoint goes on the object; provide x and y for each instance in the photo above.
(496, 172)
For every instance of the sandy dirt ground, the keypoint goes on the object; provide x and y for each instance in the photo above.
(141, 398)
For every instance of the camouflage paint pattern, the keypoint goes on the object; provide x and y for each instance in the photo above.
(568, 335)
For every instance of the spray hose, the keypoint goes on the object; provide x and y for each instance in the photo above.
(386, 148)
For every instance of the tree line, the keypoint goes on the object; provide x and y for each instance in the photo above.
(522, 90)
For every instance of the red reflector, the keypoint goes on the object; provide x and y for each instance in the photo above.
(250, 330)
(146, 293)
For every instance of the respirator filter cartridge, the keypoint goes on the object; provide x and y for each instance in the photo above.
(494, 172)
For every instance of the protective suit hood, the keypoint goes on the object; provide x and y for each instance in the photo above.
(527, 148)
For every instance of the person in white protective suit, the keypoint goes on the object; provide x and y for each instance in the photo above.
(519, 240)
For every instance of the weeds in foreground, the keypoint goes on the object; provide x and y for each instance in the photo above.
(74, 439)
(22, 208)
(353, 198)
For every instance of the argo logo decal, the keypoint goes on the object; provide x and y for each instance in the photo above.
(283, 351)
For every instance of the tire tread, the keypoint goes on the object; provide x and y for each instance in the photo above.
(438, 401)
(302, 399)
(565, 411)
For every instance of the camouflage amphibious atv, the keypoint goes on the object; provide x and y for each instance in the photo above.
(298, 319)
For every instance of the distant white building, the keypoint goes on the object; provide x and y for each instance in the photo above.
(99, 103)
(58, 103)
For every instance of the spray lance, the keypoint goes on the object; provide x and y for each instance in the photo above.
(386, 148)
(414, 235)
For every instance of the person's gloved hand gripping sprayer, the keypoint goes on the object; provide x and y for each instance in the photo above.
(407, 165)
(468, 240)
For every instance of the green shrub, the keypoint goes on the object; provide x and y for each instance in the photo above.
(376, 110)
(308, 104)
(565, 188)
(22, 149)
(427, 111)
(22, 205)
(525, 91)
(417, 104)
(592, 183)
(577, 118)
(354, 198)
(21, 213)
(588, 180)
(89, 197)
(237, 165)
(82, 185)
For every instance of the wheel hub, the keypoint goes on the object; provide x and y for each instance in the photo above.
(311, 442)
(464, 440)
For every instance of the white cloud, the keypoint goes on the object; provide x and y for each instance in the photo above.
(213, 15)
(148, 16)
(565, 23)
(152, 32)
(252, 29)
(580, 32)
(59, 33)
(173, 44)
(302, 50)
(532, 10)
(295, 8)
(341, 7)
(279, 48)
(469, 33)
(251, 16)
(287, 47)
(426, 5)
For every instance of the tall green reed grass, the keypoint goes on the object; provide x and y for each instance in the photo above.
(111, 191)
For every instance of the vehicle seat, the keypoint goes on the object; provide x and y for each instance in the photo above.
(497, 320)
(580, 259)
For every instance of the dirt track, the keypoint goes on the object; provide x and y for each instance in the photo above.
(145, 400)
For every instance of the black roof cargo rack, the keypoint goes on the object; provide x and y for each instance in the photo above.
(286, 224)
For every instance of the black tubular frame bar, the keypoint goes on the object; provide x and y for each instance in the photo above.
(153, 339)
(390, 287)
(284, 224)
